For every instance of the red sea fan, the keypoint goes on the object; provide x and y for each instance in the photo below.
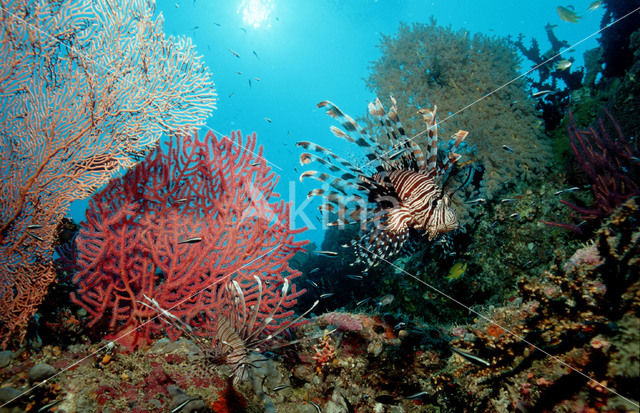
(177, 228)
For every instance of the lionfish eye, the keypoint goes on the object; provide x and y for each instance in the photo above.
(434, 203)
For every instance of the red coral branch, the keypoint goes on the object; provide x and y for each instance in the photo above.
(176, 229)
(610, 163)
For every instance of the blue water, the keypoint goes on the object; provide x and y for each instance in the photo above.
(305, 51)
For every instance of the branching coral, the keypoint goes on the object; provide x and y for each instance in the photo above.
(471, 79)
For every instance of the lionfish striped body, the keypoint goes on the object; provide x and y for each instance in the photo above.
(404, 192)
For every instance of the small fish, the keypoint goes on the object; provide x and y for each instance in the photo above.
(190, 240)
(313, 271)
(238, 73)
(508, 149)
(195, 27)
(326, 295)
(542, 93)
(567, 14)
(595, 5)
(257, 79)
(281, 387)
(315, 284)
(417, 396)
(181, 201)
(363, 301)
(256, 55)
(386, 300)
(562, 191)
(256, 163)
(243, 29)
(268, 119)
(515, 215)
(47, 407)
(327, 253)
(182, 405)
(399, 326)
(318, 408)
(233, 52)
(471, 357)
(177, 5)
(507, 200)
(231, 94)
(563, 64)
(39, 238)
(217, 24)
(476, 201)
(354, 277)
(34, 226)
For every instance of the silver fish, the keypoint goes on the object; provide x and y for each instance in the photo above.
(508, 149)
(417, 396)
(476, 201)
(471, 357)
(326, 295)
(190, 240)
(281, 387)
(34, 226)
(562, 191)
(327, 253)
(364, 300)
(183, 404)
(542, 93)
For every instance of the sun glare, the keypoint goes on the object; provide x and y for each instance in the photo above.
(255, 12)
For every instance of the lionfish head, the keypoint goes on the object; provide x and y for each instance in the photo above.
(443, 219)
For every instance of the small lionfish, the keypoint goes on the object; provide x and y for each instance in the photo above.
(404, 192)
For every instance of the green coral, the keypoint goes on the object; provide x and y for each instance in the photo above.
(471, 80)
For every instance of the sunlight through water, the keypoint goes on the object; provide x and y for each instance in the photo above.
(255, 12)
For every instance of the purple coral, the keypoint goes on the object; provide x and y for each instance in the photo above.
(610, 163)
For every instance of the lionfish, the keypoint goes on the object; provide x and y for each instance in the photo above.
(404, 188)
(241, 329)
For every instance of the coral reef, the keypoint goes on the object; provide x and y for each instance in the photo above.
(564, 342)
(176, 229)
(471, 79)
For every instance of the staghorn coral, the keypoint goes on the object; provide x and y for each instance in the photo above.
(425, 64)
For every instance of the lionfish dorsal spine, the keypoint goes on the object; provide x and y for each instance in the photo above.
(402, 197)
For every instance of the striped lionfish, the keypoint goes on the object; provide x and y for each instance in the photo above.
(241, 328)
(404, 192)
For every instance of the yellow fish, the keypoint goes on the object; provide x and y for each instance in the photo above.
(456, 271)
(567, 14)
(594, 5)
(564, 64)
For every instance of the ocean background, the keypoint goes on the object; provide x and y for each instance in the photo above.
(307, 51)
